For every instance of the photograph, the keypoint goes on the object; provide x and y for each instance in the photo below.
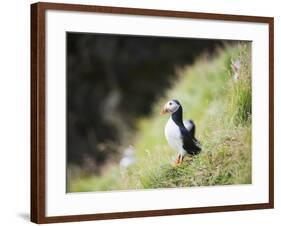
(155, 112)
(135, 104)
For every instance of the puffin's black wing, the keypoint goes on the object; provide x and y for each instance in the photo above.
(190, 143)
(190, 126)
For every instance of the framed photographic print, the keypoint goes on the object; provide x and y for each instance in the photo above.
(139, 112)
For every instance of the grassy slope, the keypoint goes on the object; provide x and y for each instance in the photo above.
(221, 110)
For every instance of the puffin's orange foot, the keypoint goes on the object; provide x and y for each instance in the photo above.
(178, 160)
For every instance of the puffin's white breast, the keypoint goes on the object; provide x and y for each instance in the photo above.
(173, 136)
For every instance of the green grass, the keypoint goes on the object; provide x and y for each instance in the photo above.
(221, 110)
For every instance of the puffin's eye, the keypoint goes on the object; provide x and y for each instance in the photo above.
(170, 103)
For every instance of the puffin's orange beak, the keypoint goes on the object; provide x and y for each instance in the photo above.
(164, 110)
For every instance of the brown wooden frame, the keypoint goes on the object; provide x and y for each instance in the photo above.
(38, 11)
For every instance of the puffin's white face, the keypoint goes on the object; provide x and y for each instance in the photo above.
(170, 107)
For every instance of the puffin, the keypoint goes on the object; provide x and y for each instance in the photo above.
(180, 134)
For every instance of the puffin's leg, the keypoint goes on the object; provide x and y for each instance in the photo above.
(178, 159)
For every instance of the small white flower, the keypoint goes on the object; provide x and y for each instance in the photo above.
(128, 157)
(236, 66)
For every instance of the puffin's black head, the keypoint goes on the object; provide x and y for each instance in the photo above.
(171, 107)
(176, 101)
